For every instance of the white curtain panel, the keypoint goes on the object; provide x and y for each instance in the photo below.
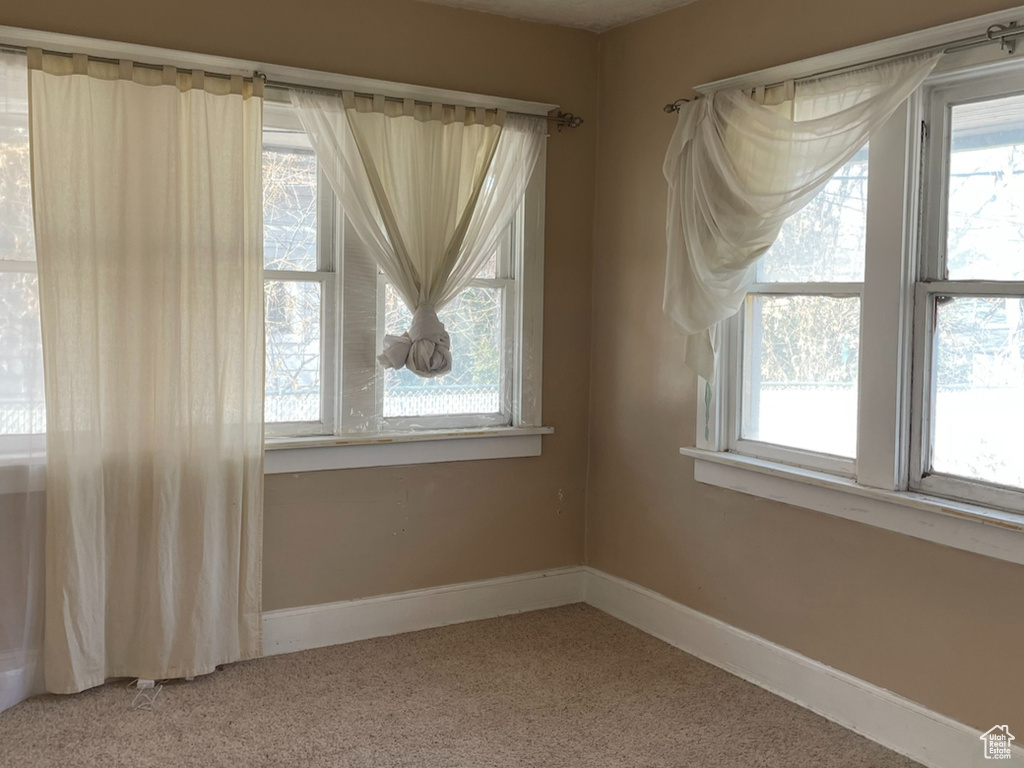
(428, 188)
(148, 209)
(737, 167)
(22, 413)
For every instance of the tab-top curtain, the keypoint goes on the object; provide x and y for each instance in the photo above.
(429, 189)
(148, 209)
(737, 167)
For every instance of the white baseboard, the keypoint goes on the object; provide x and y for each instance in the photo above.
(315, 626)
(901, 725)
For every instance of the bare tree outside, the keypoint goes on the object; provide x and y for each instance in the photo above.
(293, 307)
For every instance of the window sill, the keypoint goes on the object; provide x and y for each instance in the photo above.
(984, 531)
(324, 452)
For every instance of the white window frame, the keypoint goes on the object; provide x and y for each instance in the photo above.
(352, 410)
(886, 487)
(279, 116)
(939, 96)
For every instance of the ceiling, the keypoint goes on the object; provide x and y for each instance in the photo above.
(595, 15)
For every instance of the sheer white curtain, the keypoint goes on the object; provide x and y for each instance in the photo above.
(429, 189)
(737, 167)
(22, 413)
(147, 197)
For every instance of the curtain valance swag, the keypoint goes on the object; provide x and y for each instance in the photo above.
(737, 167)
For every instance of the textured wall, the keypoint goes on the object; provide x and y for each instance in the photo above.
(940, 626)
(338, 535)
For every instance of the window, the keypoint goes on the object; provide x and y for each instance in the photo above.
(22, 408)
(801, 328)
(299, 281)
(883, 339)
(328, 308)
(969, 302)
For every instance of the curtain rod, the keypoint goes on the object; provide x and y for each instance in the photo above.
(562, 119)
(107, 60)
(1005, 34)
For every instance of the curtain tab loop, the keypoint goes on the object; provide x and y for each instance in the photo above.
(125, 69)
(79, 64)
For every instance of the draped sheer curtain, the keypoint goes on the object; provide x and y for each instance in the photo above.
(738, 166)
(22, 412)
(147, 199)
(429, 189)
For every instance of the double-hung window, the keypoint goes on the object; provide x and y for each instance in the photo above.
(300, 285)
(882, 343)
(969, 301)
(800, 331)
(328, 308)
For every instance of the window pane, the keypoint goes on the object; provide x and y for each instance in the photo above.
(824, 242)
(22, 406)
(489, 270)
(978, 379)
(17, 240)
(289, 209)
(800, 372)
(474, 321)
(985, 231)
(293, 351)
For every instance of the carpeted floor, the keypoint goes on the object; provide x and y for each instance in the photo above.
(568, 688)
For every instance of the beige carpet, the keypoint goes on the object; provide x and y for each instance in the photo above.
(568, 687)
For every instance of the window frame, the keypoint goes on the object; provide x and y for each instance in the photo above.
(899, 289)
(352, 407)
(275, 115)
(938, 96)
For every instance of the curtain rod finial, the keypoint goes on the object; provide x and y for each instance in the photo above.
(675, 106)
(568, 120)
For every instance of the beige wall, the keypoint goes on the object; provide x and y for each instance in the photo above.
(940, 626)
(336, 535)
